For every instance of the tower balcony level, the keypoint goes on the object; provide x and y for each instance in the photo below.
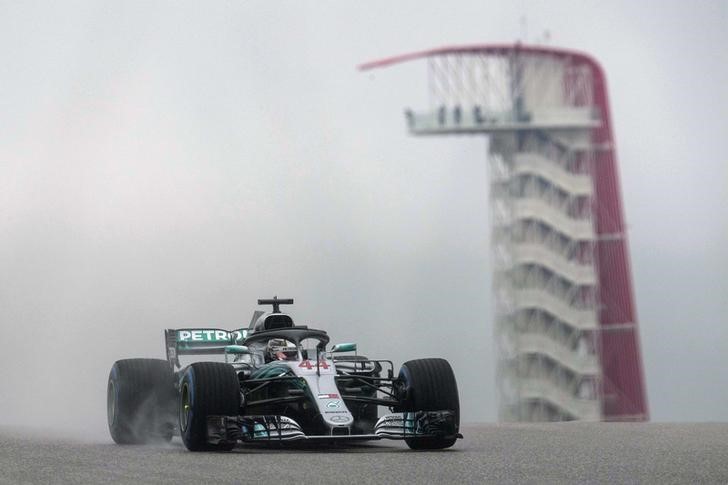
(462, 120)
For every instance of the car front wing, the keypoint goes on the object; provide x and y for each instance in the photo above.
(274, 428)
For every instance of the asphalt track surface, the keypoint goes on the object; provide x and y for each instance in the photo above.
(541, 453)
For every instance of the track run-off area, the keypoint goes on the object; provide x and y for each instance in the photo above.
(490, 453)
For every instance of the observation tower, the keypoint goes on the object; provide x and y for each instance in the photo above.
(565, 322)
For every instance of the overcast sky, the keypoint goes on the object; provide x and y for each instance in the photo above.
(164, 164)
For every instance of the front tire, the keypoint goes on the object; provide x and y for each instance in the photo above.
(206, 389)
(140, 401)
(429, 385)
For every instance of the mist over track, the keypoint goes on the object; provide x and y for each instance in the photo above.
(508, 453)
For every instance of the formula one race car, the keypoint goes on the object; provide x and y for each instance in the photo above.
(278, 383)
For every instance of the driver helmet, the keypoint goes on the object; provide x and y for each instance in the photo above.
(281, 349)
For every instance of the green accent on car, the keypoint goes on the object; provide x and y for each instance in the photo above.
(273, 369)
(237, 349)
(347, 347)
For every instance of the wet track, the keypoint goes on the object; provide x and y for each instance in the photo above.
(544, 453)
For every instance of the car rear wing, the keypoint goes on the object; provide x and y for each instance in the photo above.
(200, 341)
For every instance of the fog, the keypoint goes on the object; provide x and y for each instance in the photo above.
(166, 164)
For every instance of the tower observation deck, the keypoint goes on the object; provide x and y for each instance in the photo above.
(565, 319)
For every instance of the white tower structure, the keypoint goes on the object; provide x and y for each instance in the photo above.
(564, 322)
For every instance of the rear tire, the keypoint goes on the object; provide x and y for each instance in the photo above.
(429, 385)
(140, 401)
(206, 389)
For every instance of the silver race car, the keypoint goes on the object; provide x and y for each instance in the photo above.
(279, 382)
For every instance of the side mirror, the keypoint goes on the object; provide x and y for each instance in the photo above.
(233, 352)
(349, 347)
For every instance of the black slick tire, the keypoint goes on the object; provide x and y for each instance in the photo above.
(429, 385)
(140, 401)
(206, 389)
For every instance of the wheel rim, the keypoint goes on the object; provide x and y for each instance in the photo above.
(184, 407)
(404, 392)
(111, 402)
